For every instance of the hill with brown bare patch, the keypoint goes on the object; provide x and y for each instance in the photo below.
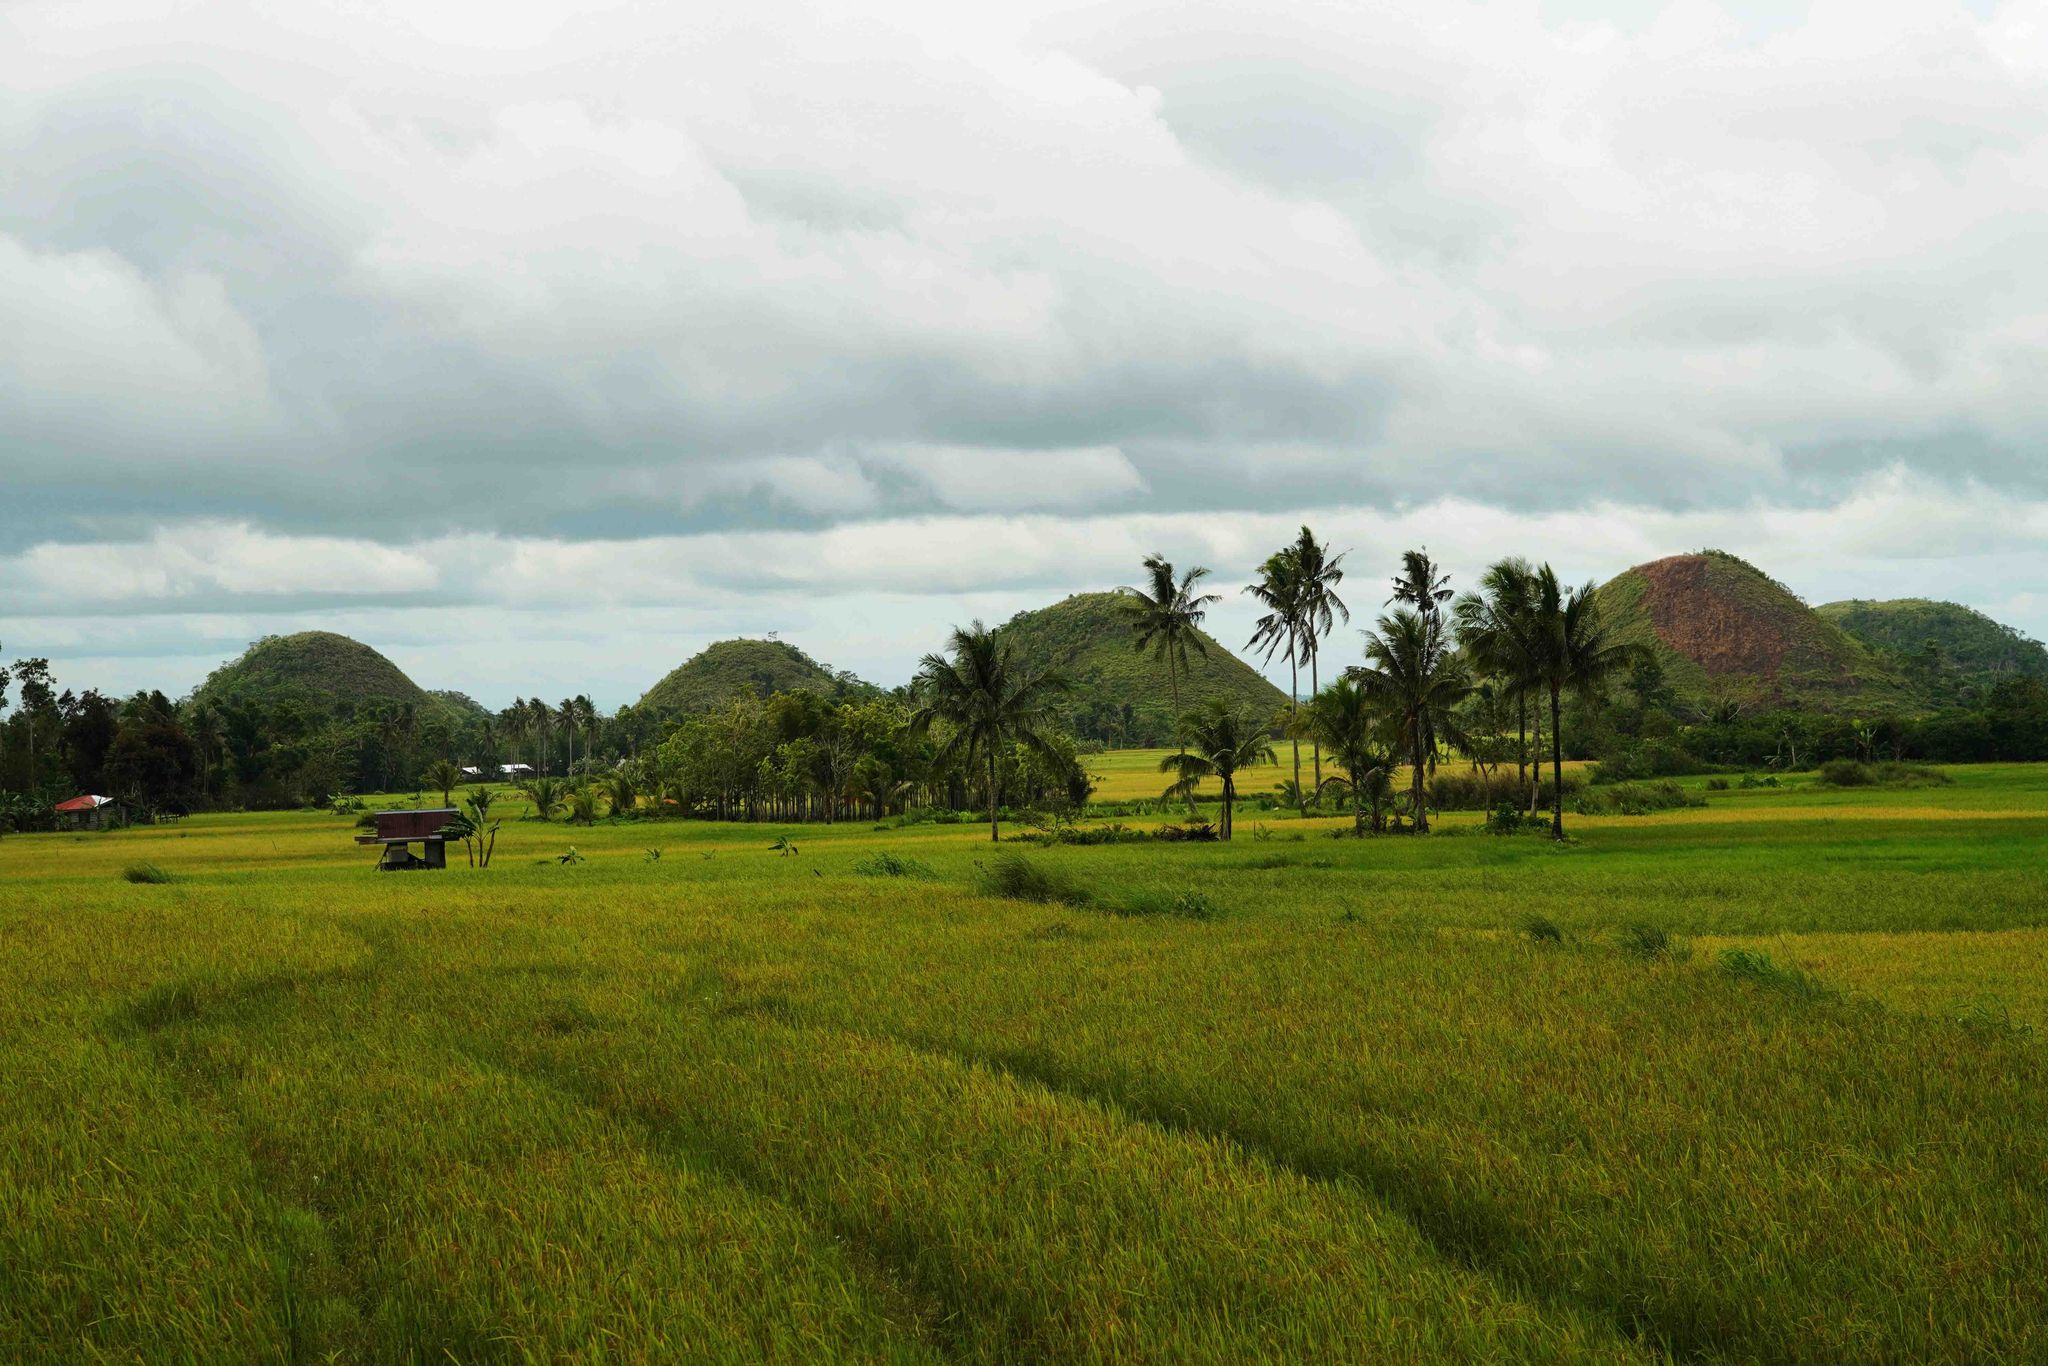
(1725, 629)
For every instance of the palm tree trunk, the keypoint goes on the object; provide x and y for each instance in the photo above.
(1522, 745)
(1556, 767)
(1315, 743)
(1294, 719)
(1415, 783)
(995, 830)
(1173, 676)
(1229, 800)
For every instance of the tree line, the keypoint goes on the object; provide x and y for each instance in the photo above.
(1518, 672)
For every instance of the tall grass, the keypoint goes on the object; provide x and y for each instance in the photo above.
(732, 1106)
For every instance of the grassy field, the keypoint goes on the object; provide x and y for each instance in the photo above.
(730, 1104)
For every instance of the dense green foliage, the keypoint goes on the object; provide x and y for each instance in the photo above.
(1723, 629)
(1941, 645)
(1120, 694)
(721, 671)
(322, 674)
(1203, 1102)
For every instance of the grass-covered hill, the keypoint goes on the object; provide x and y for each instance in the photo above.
(1724, 628)
(1977, 647)
(1087, 638)
(321, 672)
(721, 671)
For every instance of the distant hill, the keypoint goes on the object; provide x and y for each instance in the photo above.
(323, 673)
(463, 704)
(719, 672)
(1978, 648)
(1722, 627)
(1087, 638)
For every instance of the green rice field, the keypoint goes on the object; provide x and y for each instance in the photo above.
(1757, 1081)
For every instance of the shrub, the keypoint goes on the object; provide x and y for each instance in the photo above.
(1717, 784)
(886, 864)
(1510, 819)
(1635, 799)
(1852, 773)
(1185, 904)
(1019, 879)
(1200, 832)
(1648, 759)
(1846, 773)
(145, 873)
(1751, 780)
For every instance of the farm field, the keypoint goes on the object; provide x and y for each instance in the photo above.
(1463, 1098)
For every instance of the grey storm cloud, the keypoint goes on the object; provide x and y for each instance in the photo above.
(315, 284)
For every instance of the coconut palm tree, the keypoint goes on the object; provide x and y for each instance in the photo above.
(1419, 585)
(1219, 742)
(1411, 672)
(443, 774)
(1317, 574)
(546, 795)
(987, 703)
(1345, 717)
(1574, 651)
(1166, 618)
(1279, 591)
(622, 791)
(1496, 625)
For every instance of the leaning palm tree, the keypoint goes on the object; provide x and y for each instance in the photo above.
(1317, 574)
(1411, 671)
(442, 774)
(988, 703)
(1346, 718)
(1220, 742)
(1166, 618)
(1279, 590)
(1577, 652)
(1496, 625)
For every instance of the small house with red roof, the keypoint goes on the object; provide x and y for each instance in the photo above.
(86, 812)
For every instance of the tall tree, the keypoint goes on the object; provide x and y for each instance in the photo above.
(1219, 741)
(1497, 627)
(1279, 590)
(1318, 573)
(1420, 585)
(1166, 618)
(1575, 651)
(1411, 671)
(1345, 718)
(987, 703)
(38, 695)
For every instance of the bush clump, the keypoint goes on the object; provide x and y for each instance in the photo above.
(1649, 759)
(1542, 929)
(1019, 879)
(1855, 773)
(1196, 832)
(1635, 799)
(147, 873)
(1448, 791)
(886, 864)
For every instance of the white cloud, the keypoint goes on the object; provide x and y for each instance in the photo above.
(909, 300)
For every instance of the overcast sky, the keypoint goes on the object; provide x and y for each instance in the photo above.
(539, 345)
